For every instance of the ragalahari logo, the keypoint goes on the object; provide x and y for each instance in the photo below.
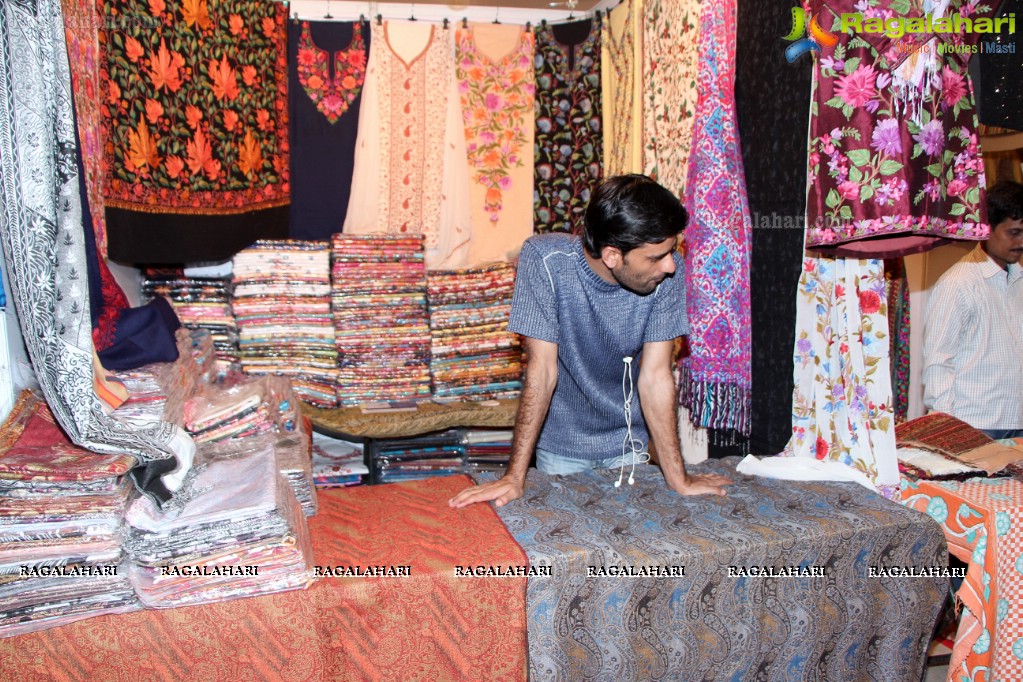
(816, 39)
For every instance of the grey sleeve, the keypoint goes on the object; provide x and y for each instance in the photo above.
(534, 310)
(668, 319)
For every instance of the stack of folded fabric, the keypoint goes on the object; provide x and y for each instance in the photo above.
(200, 303)
(487, 449)
(282, 306)
(233, 529)
(294, 461)
(219, 413)
(380, 317)
(337, 462)
(439, 454)
(61, 519)
(158, 391)
(938, 446)
(473, 355)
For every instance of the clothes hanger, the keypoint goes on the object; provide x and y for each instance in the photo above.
(328, 15)
(413, 17)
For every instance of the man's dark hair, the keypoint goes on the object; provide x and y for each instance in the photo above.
(627, 211)
(1004, 202)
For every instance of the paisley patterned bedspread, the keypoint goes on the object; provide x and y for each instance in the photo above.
(709, 624)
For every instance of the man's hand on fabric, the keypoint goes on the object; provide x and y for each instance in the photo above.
(501, 492)
(701, 484)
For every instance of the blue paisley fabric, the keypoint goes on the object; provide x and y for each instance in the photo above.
(707, 625)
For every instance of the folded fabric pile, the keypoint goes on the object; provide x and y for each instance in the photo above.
(220, 413)
(294, 461)
(439, 454)
(337, 462)
(200, 303)
(233, 529)
(487, 449)
(158, 391)
(282, 307)
(473, 355)
(938, 446)
(61, 518)
(380, 317)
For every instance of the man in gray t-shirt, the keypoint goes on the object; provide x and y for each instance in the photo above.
(594, 311)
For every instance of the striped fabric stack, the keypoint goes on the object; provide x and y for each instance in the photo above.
(380, 317)
(282, 306)
(200, 304)
(473, 354)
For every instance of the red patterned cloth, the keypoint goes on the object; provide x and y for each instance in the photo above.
(430, 625)
(194, 107)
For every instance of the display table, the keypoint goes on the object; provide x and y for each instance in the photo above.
(430, 625)
(983, 522)
(708, 625)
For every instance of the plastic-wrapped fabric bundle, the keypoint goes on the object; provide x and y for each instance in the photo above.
(201, 303)
(234, 529)
(337, 462)
(61, 517)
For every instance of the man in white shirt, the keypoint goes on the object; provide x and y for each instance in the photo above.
(973, 342)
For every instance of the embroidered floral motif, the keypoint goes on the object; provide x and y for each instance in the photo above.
(332, 95)
(196, 117)
(569, 140)
(841, 403)
(497, 99)
(874, 169)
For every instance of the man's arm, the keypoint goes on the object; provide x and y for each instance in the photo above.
(658, 400)
(537, 389)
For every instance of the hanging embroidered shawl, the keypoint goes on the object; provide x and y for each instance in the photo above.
(496, 84)
(197, 128)
(411, 173)
(42, 230)
(842, 402)
(670, 43)
(326, 72)
(897, 289)
(894, 161)
(568, 138)
(622, 87)
(81, 28)
(715, 378)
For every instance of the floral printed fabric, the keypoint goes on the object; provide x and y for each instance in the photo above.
(82, 27)
(327, 63)
(621, 70)
(842, 401)
(411, 173)
(195, 109)
(333, 81)
(715, 379)
(893, 163)
(569, 140)
(982, 519)
(497, 89)
(670, 60)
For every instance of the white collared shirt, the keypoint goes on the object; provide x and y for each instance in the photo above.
(973, 344)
